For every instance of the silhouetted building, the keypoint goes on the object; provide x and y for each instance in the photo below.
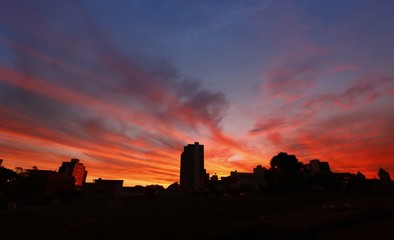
(214, 178)
(257, 177)
(384, 175)
(315, 166)
(259, 170)
(385, 179)
(245, 182)
(75, 169)
(193, 174)
(103, 189)
(41, 187)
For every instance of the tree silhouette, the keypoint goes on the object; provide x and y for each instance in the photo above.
(285, 172)
(286, 164)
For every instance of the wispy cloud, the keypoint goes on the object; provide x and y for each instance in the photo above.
(112, 110)
(363, 90)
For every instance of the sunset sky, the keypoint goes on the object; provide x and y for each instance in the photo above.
(125, 85)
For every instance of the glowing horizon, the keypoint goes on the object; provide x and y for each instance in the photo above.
(124, 87)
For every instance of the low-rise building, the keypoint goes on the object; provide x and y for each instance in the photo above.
(103, 189)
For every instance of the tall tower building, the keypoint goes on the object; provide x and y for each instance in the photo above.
(192, 168)
(75, 169)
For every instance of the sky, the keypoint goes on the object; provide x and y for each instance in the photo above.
(124, 85)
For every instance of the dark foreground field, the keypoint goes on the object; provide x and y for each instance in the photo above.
(264, 216)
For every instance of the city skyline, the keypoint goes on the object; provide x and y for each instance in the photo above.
(194, 178)
(123, 86)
